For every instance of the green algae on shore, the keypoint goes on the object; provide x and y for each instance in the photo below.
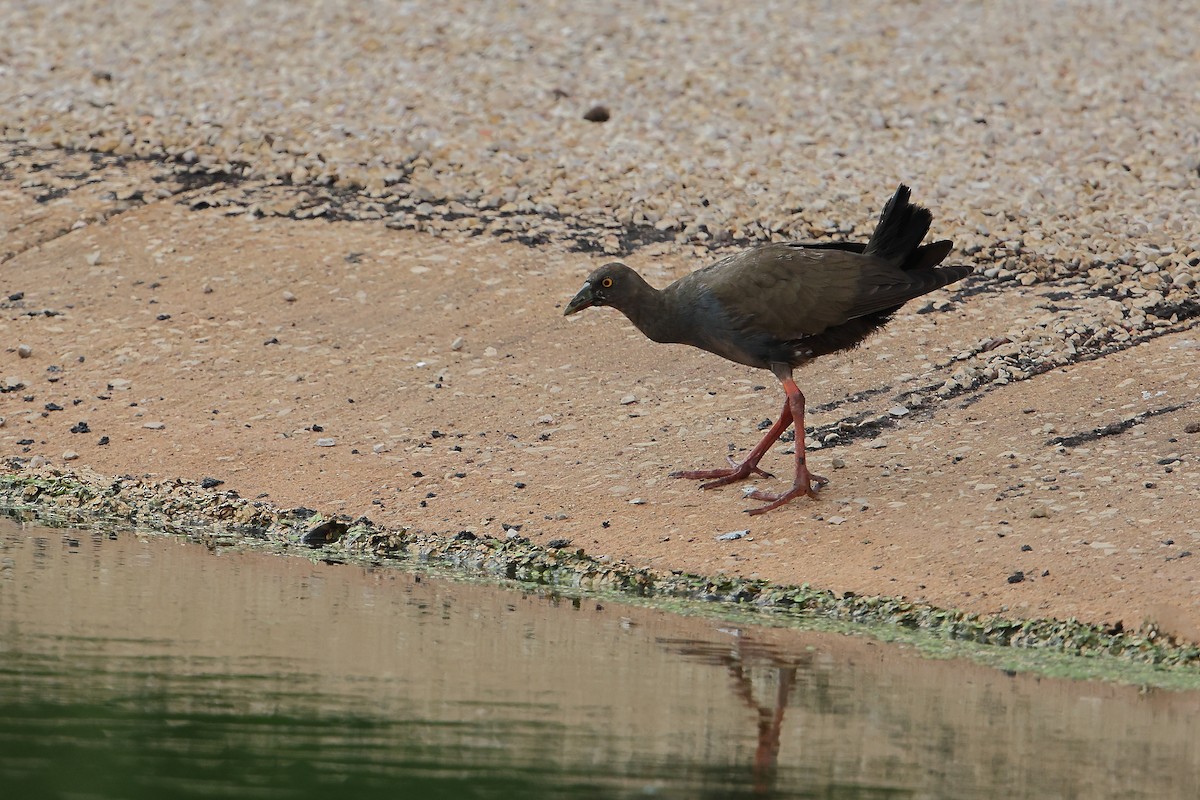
(1062, 648)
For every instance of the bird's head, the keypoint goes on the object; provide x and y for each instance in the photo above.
(613, 284)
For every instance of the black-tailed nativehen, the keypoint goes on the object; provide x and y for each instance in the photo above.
(780, 305)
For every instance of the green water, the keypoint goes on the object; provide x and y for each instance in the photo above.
(145, 666)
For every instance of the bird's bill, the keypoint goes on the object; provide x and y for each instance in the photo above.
(580, 301)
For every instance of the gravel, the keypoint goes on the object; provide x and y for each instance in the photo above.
(1047, 161)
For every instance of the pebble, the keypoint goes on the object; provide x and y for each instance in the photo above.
(457, 344)
(732, 535)
(154, 426)
(24, 350)
(382, 447)
(288, 297)
(69, 455)
(326, 442)
(628, 400)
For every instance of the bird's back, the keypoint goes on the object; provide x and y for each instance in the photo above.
(793, 301)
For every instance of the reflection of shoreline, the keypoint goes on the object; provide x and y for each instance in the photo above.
(538, 679)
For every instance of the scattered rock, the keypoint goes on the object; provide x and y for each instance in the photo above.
(69, 455)
(154, 426)
(597, 114)
(732, 535)
(24, 350)
(326, 442)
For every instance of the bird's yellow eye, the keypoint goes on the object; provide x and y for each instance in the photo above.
(606, 283)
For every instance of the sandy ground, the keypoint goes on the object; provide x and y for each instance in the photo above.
(176, 338)
(320, 253)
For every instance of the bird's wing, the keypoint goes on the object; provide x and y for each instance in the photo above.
(783, 291)
(790, 291)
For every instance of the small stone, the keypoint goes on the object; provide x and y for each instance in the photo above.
(37, 462)
(154, 426)
(732, 535)
(326, 442)
(1016, 577)
(288, 297)
(210, 483)
(382, 447)
(637, 501)
(1039, 512)
(80, 427)
(69, 455)
(457, 344)
(838, 462)
(628, 400)
(597, 113)
(24, 350)
(93, 258)
(876, 444)
(835, 520)
(897, 411)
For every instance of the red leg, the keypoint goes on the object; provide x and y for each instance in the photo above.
(805, 483)
(749, 466)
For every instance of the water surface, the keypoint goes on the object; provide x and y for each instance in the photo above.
(135, 666)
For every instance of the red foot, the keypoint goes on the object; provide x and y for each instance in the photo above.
(806, 484)
(736, 472)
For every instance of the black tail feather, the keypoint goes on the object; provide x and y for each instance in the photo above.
(901, 228)
(928, 256)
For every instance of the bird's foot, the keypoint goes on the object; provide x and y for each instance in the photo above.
(722, 477)
(806, 484)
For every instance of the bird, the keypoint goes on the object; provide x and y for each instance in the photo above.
(778, 306)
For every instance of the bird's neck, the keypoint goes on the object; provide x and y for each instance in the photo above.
(652, 315)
